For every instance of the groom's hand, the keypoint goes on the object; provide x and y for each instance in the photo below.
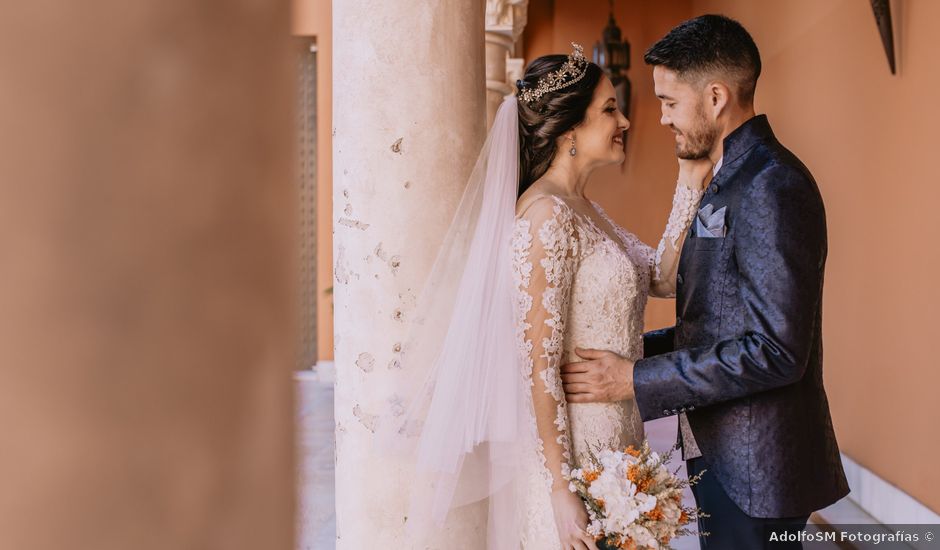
(603, 377)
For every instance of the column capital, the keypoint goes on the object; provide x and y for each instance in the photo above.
(507, 17)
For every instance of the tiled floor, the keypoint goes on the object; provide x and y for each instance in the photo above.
(317, 521)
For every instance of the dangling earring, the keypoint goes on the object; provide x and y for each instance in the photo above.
(573, 151)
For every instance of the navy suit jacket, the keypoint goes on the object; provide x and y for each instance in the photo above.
(744, 360)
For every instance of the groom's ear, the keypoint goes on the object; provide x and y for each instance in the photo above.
(717, 98)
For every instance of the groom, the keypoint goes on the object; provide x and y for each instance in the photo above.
(742, 367)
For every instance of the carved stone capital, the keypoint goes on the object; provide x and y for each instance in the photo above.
(507, 17)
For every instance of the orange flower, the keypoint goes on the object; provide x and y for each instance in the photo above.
(627, 544)
(632, 451)
(600, 502)
(655, 514)
(632, 473)
(683, 517)
(590, 476)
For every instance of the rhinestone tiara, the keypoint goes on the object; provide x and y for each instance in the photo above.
(572, 71)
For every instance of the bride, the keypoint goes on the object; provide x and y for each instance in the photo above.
(531, 273)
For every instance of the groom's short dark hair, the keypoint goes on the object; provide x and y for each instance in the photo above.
(710, 45)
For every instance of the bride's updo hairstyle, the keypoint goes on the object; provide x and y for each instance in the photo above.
(542, 121)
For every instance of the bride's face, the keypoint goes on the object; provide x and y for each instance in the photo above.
(599, 137)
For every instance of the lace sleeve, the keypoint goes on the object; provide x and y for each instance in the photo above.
(665, 260)
(545, 251)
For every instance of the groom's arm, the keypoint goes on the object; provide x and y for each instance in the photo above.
(658, 342)
(780, 252)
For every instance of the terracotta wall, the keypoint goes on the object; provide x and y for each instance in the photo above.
(147, 233)
(870, 140)
(639, 194)
(312, 18)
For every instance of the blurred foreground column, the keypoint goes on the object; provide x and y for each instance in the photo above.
(408, 112)
(146, 230)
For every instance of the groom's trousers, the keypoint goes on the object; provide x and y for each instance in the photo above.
(731, 529)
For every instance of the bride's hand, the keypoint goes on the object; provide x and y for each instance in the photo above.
(694, 173)
(571, 518)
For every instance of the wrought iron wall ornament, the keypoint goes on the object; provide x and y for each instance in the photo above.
(882, 9)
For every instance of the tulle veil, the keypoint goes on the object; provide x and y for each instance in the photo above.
(467, 428)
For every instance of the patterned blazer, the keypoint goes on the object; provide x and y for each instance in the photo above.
(744, 359)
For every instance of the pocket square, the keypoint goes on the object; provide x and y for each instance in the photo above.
(710, 223)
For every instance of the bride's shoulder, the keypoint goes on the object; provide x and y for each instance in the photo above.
(548, 219)
(540, 206)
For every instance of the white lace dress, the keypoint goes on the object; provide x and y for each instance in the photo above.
(579, 285)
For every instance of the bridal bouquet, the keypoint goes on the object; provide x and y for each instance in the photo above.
(633, 501)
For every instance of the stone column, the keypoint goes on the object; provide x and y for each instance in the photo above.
(149, 262)
(408, 118)
(505, 21)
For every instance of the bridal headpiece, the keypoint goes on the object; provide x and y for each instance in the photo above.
(572, 71)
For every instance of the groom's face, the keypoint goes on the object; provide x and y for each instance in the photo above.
(683, 110)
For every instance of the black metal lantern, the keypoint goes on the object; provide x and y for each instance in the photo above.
(612, 54)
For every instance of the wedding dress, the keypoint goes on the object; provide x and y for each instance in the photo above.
(508, 299)
(581, 281)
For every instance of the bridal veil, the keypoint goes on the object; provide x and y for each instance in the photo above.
(465, 426)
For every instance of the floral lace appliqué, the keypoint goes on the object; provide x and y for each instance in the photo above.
(577, 286)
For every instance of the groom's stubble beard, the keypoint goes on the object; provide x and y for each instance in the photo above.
(700, 139)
